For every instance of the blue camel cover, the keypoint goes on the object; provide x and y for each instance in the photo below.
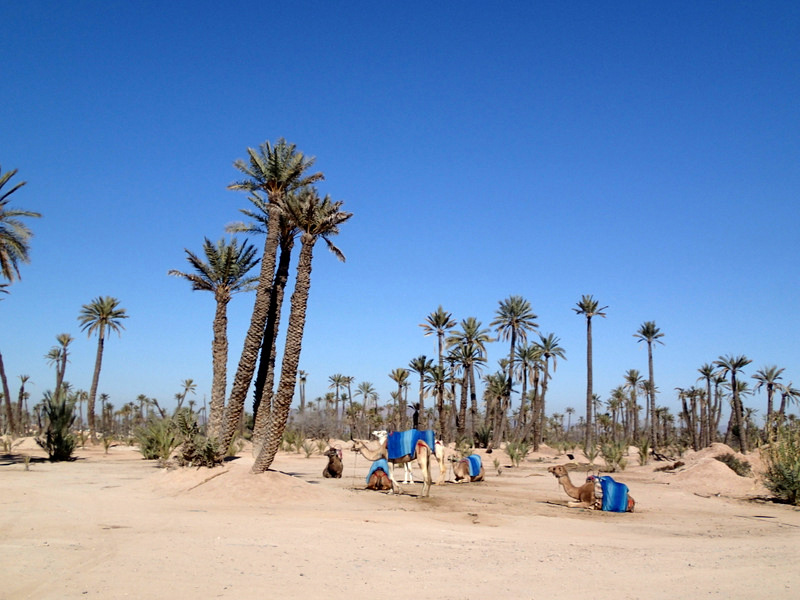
(615, 495)
(403, 443)
(474, 464)
(378, 464)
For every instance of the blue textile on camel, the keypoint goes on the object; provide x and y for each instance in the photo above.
(404, 443)
(615, 495)
(474, 464)
(378, 464)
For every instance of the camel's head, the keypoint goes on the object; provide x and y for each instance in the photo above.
(381, 434)
(331, 452)
(558, 470)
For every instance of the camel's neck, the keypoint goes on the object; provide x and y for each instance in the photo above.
(570, 489)
(372, 455)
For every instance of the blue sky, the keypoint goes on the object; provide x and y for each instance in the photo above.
(645, 153)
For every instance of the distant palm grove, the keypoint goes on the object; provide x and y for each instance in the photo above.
(438, 392)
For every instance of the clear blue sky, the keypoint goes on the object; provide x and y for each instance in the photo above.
(645, 153)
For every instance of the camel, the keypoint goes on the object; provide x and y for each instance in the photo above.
(421, 450)
(440, 453)
(461, 470)
(586, 495)
(334, 467)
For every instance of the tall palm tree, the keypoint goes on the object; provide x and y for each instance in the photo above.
(589, 307)
(633, 383)
(439, 323)
(769, 378)
(527, 356)
(570, 411)
(102, 315)
(648, 332)
(707, 373)
(274, 170)
(421, 365)
(188, 386)
(732, 365)
(400, 377)
(789, 393)
(367, 392)
(514, 318)
(548, 348)
(223, 273)
(473, 338)
(14, 234)
(336, 383)
(23, 379)
(302, 377)
(316, 218)
(264, 381)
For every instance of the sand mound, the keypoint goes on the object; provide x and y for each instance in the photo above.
(234, 480)
(707, 475)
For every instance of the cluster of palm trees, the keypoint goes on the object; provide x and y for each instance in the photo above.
(286, 206)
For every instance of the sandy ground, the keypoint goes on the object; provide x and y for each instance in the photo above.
(117, 526)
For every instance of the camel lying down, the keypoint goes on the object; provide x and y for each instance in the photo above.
(588, 495)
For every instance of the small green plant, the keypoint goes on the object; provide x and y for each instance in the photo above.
(27, 461)
(782, 460)
(740, 467)
(195, 450)
(157, 438)
(58, 442)
(483, 434)
(497, 466)
(614, 456)
(322, 445)
(108, 439)
(308, 448)
(517, 451)
(644, 450)
(591, 453)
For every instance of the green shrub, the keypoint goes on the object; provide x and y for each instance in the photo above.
(517, 451)
(644, 450)
(483, 435)
(740, 467)
(591, 453)
(157, 438)
(614, 455)
(782, 458)
(195, 450)
(58, 442)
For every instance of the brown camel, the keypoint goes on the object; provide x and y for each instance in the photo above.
(334, 467)
(423, 456)
(461, 471)
(379, 480)
(585, 495)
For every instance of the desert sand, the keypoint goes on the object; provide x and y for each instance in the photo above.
(116, 526)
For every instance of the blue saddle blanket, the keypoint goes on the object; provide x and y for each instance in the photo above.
(474, 464)
(404, 443)
(615, 495)
(379, 464)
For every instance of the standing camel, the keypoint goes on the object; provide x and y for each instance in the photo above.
(421, 451)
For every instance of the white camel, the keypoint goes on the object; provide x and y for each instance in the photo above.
(421, 450)
(441, 453)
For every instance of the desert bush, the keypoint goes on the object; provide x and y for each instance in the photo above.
(782, 459)
(614, 456)
(195, 450)
(157, 438)
(644, 450)
(591, 453)
(308, 448)
(517, 451)
(483, 434)
(740, 467)
(58, 442)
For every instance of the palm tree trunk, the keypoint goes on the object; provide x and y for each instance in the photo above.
(651, 392)
(589, 398)
(255, 334)
(265, 377)
(7, 397)
(219, 353)
(98, 362)
(291, 358)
